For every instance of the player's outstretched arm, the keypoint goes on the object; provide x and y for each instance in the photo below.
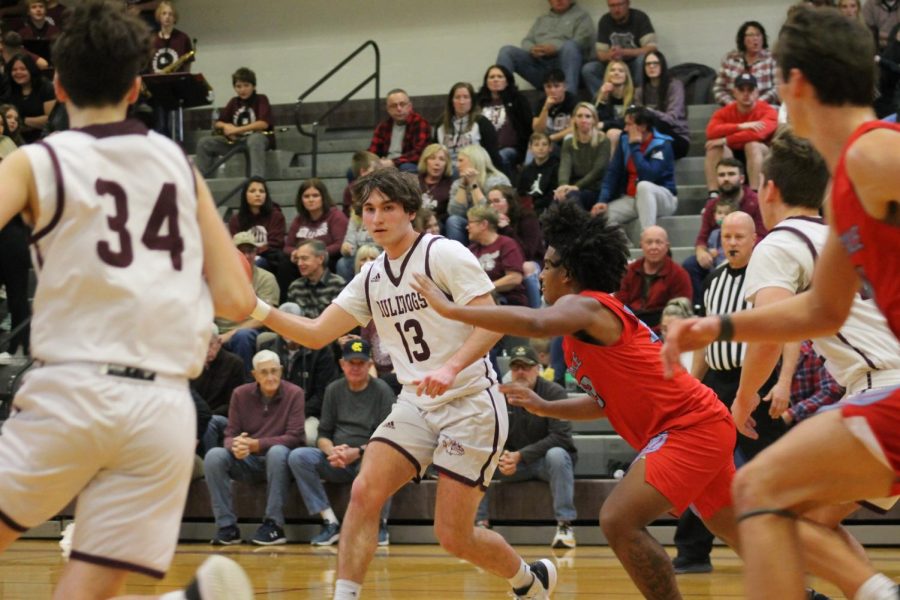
(232, 294)
(311, 333)
(18, 193)
(579, 408)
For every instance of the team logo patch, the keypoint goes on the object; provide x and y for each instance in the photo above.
(452, 447)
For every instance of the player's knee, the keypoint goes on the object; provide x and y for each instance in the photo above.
(365, 496)
(452, 538)
(754, 487)
(614, 523)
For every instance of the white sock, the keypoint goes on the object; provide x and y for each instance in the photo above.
(877, 587)
(344, 589)
(178, 595)
(522, 578)
(328, 515)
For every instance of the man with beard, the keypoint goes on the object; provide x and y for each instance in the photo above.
(731, 185)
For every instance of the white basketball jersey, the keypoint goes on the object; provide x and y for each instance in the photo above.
(786, 258)
(418, 339)
(118, 252)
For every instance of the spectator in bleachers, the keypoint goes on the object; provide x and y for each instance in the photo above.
(7, 145)
(311, 369)
(435, 179)
(356, 237)
(851, 9)
(362, 163)
(462, 124)
(260, 216)
(752, 57)
(881, 16)
(553, 113)
(11, 45)
(624, 34)
(812, 386)
(584, 159)
(265, 422)
(222, 372)
(316, 287)
(560, 39)
(731, 188)
(538, 448)
(522, 225)
(427, 222)
(12, 130)
(500, 256)
(400, 139)
(506, 108)
(742, 129)
(317, 219)
(614, 97)
(723, 208)
(170, 44)
(654, 279)
(354, 407)
(37, 26)
(539, 178)
(477, 174)
(31, 94)
(246, 119)
(240, 338)
(663, 95)
(640, 181)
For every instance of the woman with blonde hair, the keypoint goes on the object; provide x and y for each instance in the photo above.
(614, 96)
(435, 179)
(477, 174)
(583, 159)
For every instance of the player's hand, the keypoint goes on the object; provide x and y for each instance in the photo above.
(519, 395)
(741, 409)
(684, 335)
(780, 397)
(436, 382)
(433, 294)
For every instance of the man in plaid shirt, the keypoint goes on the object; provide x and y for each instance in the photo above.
(400, 139)
(812, 387)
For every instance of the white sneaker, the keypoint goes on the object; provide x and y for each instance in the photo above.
(565, 537)
(65, 544)
(544, 583)
(220, 578)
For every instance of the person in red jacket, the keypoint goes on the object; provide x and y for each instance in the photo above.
(653, 279)
(741, 129)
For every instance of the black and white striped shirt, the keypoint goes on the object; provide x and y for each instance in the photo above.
(723, 293)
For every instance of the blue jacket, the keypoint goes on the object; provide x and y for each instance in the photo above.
(656, 165)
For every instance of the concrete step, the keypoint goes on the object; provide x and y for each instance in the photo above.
(699, 114)
(682, 229)
(689, 171)
(601, 454)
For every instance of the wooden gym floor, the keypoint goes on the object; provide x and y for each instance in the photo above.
(29, 569)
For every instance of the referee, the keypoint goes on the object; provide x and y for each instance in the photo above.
(720, 369)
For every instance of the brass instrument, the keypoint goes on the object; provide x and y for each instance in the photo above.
(177, 64)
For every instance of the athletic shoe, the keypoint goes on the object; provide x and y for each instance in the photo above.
(330, 533)
(812, 594)
(544, 572)
(227, 536)
(65, 544)
(683, 566)
(384, 537)
(269, 534)
(483, 524)
(565, 537)
(219, 578)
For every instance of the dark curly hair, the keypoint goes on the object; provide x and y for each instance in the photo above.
(593, 252)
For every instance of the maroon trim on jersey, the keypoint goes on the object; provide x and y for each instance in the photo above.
(11, 524)
(366, 287)
(428, 255)
(461, 479)
(801, 235)
(811, 219)
(126, 127)
(868, 360)
(404, 452)
(60, 196)
(115, 564)
(387, 263)
(495, 443)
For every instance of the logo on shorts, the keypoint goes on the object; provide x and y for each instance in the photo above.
(389, 425)
(452, 447)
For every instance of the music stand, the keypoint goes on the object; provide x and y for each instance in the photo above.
(176, 91)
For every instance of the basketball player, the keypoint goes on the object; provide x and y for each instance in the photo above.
(450, 411)
(826, 78)
(683, 432)
(123, 231)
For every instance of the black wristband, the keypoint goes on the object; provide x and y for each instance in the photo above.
(726, 329)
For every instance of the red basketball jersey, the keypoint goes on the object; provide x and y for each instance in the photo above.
(873, 246)
(626, 379)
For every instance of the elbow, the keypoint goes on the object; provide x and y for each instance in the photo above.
(235, 305)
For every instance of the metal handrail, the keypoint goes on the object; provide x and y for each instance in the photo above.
(314, 132)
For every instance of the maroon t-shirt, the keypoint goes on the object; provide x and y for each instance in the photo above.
(498, 258)
(243, 112)
(167, 51)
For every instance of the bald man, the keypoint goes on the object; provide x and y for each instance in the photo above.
(654, 279)
(719, 367)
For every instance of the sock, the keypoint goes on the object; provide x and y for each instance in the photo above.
(329, 516)
(523, 577)
(877, 587)
(179, 595)
(344, 589)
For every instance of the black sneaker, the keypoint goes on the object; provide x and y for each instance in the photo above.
(269, 534)
(330, 533)
(544, 572)
(683, 565)
(227, 536)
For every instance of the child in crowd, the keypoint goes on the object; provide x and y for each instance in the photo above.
(724, 207)
(539, 178)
